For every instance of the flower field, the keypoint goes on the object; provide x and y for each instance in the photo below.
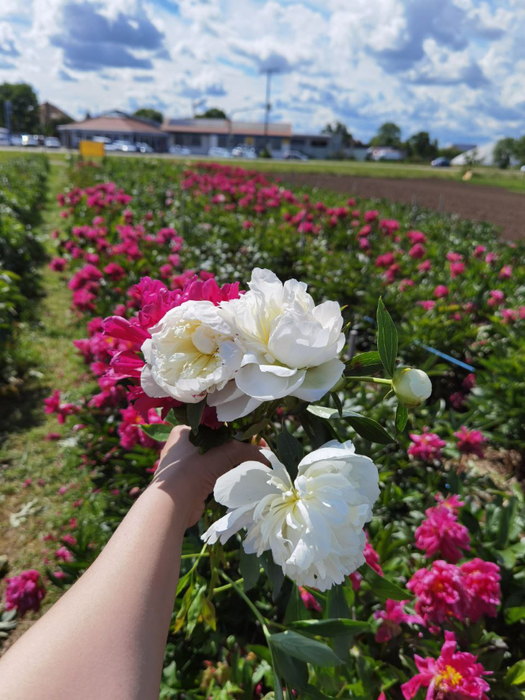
(435, 605)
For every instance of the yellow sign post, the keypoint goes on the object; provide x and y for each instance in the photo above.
(89, 149)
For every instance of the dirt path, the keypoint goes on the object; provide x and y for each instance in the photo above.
(504, 209)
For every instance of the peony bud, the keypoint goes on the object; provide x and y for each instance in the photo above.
(412, 386)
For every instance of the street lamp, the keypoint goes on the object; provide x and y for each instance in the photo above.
(229, 119)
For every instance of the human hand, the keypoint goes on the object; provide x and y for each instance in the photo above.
(190, 476)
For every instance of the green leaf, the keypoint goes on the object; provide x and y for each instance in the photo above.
(194, 413)
(294, 671)
(295, 609)
(317, 428)
(507, 516)
(255, 428)
(401, 417)
(382, 587)
(176, 416)
(261, 651)
(274, 573)
(250, 568)
(386, 338)
(516, 674)
(304, 648)
(338, 404)
(513, 615)
(367, 428)
(290, 452)
(157, 431)
(331, 628)
(364, 363)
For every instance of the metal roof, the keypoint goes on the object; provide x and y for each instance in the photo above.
(114, 122)
(222, 126)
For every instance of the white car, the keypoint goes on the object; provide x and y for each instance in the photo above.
(243, 152)
(179, 151)
(217, 152)
(294, 155)
(52, 142)
(28, 140)
(522, 168)
(144, 147)
(123, 146)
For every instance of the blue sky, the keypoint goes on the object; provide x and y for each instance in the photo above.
(455, 68)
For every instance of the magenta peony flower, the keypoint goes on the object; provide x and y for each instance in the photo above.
(455, 674)
(426, 446)
(64, 554)
(481, 580)
(441, 534)
(58, 264)
(425, 266)
(479, 251)
(456, 269)
(427, 305)
(470, 441)
(440, 594)
(417, 251)
(505, 272)
(372, 559)
(440, 291)
(25, 592)
(416, 237)
(309, 600)
(497, 297)
(392, 616)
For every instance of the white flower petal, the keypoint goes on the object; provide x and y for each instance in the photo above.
(266, 386)
(319, 380)
(247, 483)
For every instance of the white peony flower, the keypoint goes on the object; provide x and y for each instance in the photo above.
(290, 346)
(412, 386)
(191, 353)
(313, 526)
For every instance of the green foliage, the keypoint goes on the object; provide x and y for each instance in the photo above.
(389, 134)
(212, 113)
(24, 107)
(147, 113)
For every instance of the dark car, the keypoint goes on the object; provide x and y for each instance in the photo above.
(440, 163)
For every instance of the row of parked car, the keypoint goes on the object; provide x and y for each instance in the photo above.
(29, 140)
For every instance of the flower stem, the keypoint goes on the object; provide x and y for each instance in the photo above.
(374, 380)
(248, 602)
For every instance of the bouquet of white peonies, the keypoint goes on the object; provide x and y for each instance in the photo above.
(273, 350)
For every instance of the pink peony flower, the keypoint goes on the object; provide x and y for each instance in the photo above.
(497, 297)
(416, 237)
(505, 272)
(427, 305)
(425, 266)
(490, 258)
(392, 616)
(456, 269)
(24, 592)
(441, 534)
(309, 600)
(454, 257)
(372, 559)
(371, 216)
(440, 291)
(440, 594)
(417, 251)
(455, 674)
(64, 554)
(426, 446)
(481, 580)
(479, 251)
(58, 264)
(470, 441)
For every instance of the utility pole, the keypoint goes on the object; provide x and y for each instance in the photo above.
(268, 107)
(7, 114)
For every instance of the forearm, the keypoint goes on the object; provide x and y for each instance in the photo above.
(109, 630)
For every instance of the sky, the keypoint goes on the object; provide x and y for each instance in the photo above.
(455, 68)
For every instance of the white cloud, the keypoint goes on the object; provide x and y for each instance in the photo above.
(451, 66)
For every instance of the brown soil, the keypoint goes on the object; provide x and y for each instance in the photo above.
(504, 209)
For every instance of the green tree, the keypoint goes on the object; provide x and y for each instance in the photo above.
(389, 134)
(24, 107)
(504, 150)
(212, 113)
(148, 113)
(340, 128)
(419, 146)
(519, 150)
